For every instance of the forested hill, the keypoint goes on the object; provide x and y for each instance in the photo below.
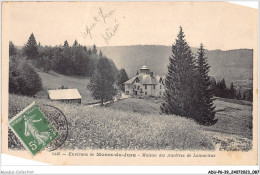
(233, 65)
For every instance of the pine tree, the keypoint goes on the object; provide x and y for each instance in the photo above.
(75, 44)
(121, 78)
(66, 44)
(31, 49)
(232, 91)
(205, 109)
(89, 51)
(94, 50)
(180, 92)
(244, 95)
(12, 49)
(102, 81)
(100, 54)
(238, 95)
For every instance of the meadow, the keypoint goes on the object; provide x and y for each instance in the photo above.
(110, 128)
(233, 131)
(53, 80)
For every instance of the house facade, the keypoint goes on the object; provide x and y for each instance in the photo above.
(145, 84)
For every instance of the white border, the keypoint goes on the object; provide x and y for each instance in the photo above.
(11, 163)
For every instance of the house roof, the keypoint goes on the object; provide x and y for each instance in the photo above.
(64, 94)
(144, 67)
(144, 79)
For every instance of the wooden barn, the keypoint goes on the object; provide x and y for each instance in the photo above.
(65, 95)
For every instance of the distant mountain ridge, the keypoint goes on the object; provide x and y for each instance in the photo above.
(233, 65)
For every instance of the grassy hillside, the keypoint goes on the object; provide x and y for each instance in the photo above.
(234, 116)
(108, 128)
(233, 131)
(53, 80)
(233, 65)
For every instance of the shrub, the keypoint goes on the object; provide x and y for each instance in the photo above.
(23, 79)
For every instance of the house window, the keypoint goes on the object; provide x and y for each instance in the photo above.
(153, 86)
(160, 86)
(128, 85)
(145, 93)
(145, 86)
(127, 92)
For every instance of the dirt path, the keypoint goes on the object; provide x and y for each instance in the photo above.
(123, 96)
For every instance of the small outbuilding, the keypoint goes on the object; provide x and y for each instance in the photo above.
(65, 95)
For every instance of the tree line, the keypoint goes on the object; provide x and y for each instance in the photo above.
(75, 60)
(220, 89)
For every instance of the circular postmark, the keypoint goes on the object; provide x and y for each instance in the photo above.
(57, 119)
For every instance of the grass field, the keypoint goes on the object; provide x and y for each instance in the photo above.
(53, 80)
(110, 128)
(233, 131)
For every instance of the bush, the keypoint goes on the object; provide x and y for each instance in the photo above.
(23, 79)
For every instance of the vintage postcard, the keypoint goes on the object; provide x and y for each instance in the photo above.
(130, 83)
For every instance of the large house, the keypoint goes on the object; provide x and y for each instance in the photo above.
(65, 95)
(145, 84)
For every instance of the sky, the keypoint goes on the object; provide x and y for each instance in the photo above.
(218, 25)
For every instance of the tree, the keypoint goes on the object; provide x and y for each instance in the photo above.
(94, 50)
(180, 87)
(121, 78)
(244, 95)
(23, 79)
(102, 81)
(89, 51)
(100, 54)
(238, 95)
(66, 44)
(205, 109)
(232, 91)
(221, 89)
(12, 49)
(45, 63)
(31, 49)
(75, 44)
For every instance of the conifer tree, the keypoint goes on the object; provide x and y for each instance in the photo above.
(75, 43)
(100, 54)
(205, 109)
(180, 92)
(31, 49)
(94, 50)
(89, 51)
(66, 44)
(12, 49)
(238, 95)
(232, 91)
(121, 78)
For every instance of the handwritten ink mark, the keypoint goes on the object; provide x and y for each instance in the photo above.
(110, 33)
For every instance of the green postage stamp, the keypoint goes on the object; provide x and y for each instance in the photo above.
(33, 129)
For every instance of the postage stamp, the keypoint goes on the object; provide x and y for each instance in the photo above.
(33, 129)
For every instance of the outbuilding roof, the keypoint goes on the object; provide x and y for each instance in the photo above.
(64, 94)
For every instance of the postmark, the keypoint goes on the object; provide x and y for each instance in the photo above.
(33, 129)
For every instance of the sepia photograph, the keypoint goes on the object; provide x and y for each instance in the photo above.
(130, 79)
